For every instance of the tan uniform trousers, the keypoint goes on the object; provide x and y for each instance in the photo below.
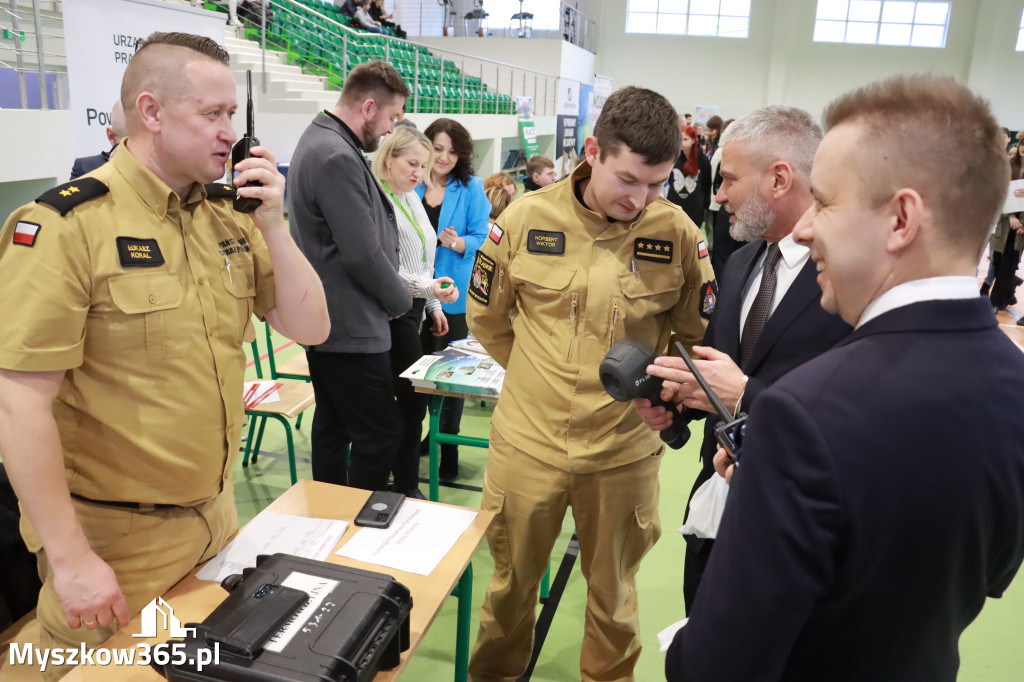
(616, 515)
(149, 552)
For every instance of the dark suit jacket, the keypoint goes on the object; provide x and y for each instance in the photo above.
(873, 511)
(87, 164)
(345, 225)
(797, 331)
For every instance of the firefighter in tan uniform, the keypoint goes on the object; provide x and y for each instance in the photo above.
(569, 270)
(128, 295)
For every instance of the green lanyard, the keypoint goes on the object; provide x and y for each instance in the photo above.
(415, 223)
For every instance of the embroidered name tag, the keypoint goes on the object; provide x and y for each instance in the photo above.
(541, 241)
(481, 279)
(656, 250)
(139, 253)
(230, 246)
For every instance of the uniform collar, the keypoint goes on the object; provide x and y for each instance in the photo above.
(153, 191)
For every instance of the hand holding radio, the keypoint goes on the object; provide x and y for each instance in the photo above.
(259, 187)
(721, 373)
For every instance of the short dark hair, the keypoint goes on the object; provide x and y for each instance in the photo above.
(714, 123)
(201, 44)
(537, 164)
(373, 80)
(462, 145)
(644, 121)
(964, 185)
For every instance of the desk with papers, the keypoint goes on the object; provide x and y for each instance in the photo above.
(324, 505)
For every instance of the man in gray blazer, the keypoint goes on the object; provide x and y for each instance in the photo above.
(345, 226)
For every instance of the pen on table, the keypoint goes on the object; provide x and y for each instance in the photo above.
(248, 394)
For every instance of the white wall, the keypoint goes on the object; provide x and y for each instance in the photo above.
(779, 62)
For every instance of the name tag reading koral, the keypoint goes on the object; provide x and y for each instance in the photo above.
(139, 253)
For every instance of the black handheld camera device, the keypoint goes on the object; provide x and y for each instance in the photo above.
(624, 375)
(240, 152)
(730, 428)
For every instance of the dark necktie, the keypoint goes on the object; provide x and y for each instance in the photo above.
(761, 308)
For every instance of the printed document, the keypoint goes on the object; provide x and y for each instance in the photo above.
(270, 533)
(419, 537)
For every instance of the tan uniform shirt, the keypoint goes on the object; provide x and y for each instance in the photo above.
(553, 287)
(145, 300)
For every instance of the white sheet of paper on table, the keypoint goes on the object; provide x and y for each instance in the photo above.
(419, 537)
(270, 533)
(272, 397)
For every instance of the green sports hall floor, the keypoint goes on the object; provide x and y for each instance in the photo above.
(991, 649)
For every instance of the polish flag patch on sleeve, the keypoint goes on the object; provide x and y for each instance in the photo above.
(25, 233)
(702, 250)
(496, 234)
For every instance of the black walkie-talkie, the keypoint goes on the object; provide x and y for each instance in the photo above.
(240, 152)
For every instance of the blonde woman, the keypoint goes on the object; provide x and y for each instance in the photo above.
(401, 162)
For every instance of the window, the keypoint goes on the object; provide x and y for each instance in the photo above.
(883, 22)
(1020, 35)
(722, 18)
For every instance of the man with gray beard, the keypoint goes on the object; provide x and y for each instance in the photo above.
(767, 319)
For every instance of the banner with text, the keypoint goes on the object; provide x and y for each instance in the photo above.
(566, 125)
(100, 47)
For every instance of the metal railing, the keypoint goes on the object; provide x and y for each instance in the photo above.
(442, 81)
(29, 48)
(578, 28)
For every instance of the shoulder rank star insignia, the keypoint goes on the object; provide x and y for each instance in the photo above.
(69, 191)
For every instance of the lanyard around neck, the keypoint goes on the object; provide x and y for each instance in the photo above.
(415, 223)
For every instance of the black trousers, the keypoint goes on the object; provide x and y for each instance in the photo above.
(406, 348)
(1004, 285)
(355, 405)
(451, 412)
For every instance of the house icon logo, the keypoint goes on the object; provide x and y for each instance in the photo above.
(157, 610)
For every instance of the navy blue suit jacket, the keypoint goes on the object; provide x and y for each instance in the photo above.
(87, 164)
(797, 330)
(873, 512)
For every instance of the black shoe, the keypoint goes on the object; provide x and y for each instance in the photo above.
(448, 473)
(415, 494)
(1020, 322)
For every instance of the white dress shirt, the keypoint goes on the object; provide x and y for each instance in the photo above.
(915, 291)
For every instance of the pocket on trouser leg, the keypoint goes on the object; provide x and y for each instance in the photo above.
(644, 531)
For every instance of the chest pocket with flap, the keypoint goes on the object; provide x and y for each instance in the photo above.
(152, 303)
(651, 290)
(543, 288)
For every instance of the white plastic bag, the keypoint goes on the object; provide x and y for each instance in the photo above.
(706, 508)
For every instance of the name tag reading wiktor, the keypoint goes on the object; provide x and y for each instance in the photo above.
(541, 241)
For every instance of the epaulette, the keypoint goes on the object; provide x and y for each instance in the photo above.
(218, 190)
(65, 197)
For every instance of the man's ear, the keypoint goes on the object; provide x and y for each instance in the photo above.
(368, 108)
(149, 110)
(591, 149)
(905, 219)
(782, 178)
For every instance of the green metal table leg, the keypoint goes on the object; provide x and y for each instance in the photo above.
(436, 401)
(464, 593)
(545, 583)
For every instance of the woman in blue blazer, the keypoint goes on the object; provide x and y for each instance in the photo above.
(459, 210)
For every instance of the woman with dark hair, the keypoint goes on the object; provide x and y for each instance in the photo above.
(714, 128)
(689, 186)
(459, 210)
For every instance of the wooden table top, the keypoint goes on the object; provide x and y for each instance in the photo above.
(193, 599)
